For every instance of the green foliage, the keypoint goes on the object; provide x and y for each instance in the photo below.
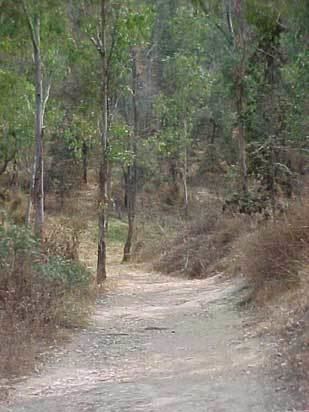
(117, 231)
(118, 149)
(18, 243)
(16, 240)
(68, 273)
(16, 111)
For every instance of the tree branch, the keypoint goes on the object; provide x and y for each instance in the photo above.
(114, 38)
(97, 44)
(46, 97)
(30, 25)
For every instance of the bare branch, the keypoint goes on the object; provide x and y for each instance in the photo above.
(46, 97)
(34, 39)
(284, 167)
(114, 39)
(97, 44)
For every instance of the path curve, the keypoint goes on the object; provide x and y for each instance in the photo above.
(158, 344)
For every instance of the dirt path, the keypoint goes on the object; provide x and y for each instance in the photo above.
(158, 344)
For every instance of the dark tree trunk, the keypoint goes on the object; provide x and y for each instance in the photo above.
(85, 151)
(131, 203)
(103, 176)
(239, 42)
(241, 137)
(185, 174)
(131, 176)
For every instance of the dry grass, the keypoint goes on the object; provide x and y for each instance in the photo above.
(204, 243)
(275, 259)
(40, 295)
(275, 253)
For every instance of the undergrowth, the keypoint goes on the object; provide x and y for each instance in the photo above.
(275, 260)
(117, 231)
(40, 292)
(274, 254)
(204, 242)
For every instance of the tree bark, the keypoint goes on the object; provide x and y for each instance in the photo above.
(39, 177)
(185, 173)
(131, 180)
(103, 176)
(85, 162)
(241, 137)
(239, 42)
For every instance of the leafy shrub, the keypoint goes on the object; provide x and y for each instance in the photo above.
(70, 274)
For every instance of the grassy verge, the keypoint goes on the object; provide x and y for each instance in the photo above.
(117, 231)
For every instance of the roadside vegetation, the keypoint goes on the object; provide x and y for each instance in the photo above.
(41, 294)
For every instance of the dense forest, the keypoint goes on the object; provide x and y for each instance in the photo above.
(175, 131)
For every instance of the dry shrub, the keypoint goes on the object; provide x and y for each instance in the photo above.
(154, 231)
(14, 203)
(204, 243)
(276, 261)
(276, 251)
(289, 315)
(38, 295)
(62, 240)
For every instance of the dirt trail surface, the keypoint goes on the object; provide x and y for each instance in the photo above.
(158, 344)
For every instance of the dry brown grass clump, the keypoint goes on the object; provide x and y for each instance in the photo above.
(204, 243)
(276, 261)
(275, 253)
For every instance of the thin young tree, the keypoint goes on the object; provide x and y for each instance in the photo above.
(41, 98)
(100, 41)
(131, 176)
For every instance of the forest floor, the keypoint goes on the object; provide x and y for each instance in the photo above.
(157, 343)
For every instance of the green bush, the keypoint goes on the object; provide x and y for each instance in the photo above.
(16, 239)
(63, 271)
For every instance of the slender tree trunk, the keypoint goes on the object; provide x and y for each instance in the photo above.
(30, 200)
(37, 184)
(227, 8)
(85, 151)
(241, 137)
(131, 173)
(109, 194)
(131, 203)
(239, 42)
(39, 176)
(103, 176)
(185, 173)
